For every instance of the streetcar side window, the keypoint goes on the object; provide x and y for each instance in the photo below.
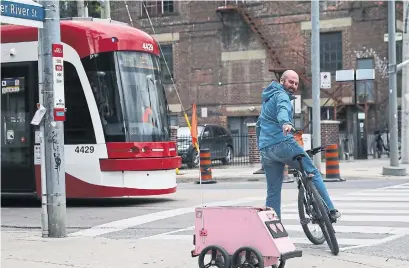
(78, 128)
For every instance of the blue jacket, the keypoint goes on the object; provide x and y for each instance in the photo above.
(276, 110)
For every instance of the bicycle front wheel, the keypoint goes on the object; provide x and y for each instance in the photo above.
(308, 216)
(323, 219)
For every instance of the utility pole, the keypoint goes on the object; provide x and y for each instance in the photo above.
(315, 71)
(405, 86)
(52, 87)
(394, 168)
(106, 12)
(393, 97)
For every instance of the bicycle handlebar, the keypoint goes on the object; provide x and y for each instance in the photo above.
(312, 151)
(316, 150)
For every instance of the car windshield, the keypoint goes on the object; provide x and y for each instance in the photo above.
(185, 132)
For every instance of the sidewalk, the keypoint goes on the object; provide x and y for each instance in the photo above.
(28, 249)
(352, 169)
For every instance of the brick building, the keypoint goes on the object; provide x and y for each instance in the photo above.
(218, 59)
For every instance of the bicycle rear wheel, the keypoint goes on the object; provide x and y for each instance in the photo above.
(323, 219)
(307, 215)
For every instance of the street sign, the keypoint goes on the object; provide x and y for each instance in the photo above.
(398, 37)
(58, 77)
(345, 75)
(297, 104)
(22, 12)
(325, 80)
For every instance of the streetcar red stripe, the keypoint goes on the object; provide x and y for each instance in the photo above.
(140, 164)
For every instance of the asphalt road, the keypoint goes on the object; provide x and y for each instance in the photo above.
(374, 223)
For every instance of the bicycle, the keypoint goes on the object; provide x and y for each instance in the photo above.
(310, 199)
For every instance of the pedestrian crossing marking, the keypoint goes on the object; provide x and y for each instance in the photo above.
(388, 206)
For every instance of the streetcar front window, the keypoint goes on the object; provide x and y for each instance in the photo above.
(130, 96)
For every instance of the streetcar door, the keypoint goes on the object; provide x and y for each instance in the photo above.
(18, 86)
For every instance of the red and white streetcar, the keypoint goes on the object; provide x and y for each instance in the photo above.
(117, 136)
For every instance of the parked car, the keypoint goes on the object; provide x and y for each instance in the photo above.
(213, 137)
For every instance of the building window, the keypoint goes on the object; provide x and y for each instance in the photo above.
(331, 52)
(157, 8)
(365, 88)
(168, 56)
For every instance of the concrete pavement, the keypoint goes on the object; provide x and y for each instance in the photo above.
(349, 170)
(156, 232)
(27, 249)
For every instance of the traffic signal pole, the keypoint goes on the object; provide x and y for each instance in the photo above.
(315, 70)
(394, 169)
(52, 91)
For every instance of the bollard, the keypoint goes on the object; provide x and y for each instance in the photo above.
(332, 164)
(206, 167)
(286, 178)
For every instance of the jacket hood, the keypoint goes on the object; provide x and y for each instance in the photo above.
(273, 89)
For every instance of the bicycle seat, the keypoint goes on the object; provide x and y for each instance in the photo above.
(298, 156)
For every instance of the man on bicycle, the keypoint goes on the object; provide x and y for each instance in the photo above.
(277, 144)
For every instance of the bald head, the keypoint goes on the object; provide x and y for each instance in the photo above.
(289, 73)
(290, 81)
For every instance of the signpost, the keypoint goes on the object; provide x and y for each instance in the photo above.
(359, 120)
(22, 12)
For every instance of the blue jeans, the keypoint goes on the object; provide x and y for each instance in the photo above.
(274, 158)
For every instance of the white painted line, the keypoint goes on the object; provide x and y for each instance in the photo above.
(341, 241)
(385, 191)
(378, 242)
(385, 194)
(356, 229)
(169, 233)
(363, 218)
(338, 229)
(360, 211)
(363, 205)
(119, 225)
(295, 240)
(369, 198)
(404, 185)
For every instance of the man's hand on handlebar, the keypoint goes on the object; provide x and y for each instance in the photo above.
(287, 129)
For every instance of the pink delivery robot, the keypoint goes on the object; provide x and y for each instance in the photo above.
(241, 236)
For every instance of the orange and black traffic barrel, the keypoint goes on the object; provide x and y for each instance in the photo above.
(206, 167)
(332, 163)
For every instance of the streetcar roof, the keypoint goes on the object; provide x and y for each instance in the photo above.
(88, 37)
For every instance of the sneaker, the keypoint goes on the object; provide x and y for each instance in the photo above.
(334, 215)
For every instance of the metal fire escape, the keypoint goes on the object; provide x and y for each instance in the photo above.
(277, 65)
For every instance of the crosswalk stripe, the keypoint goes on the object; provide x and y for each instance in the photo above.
(355, 218)
(369, 198)
(385, 194)
(360, 211)
(364, 205)
(295, 240)
(355, 229)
